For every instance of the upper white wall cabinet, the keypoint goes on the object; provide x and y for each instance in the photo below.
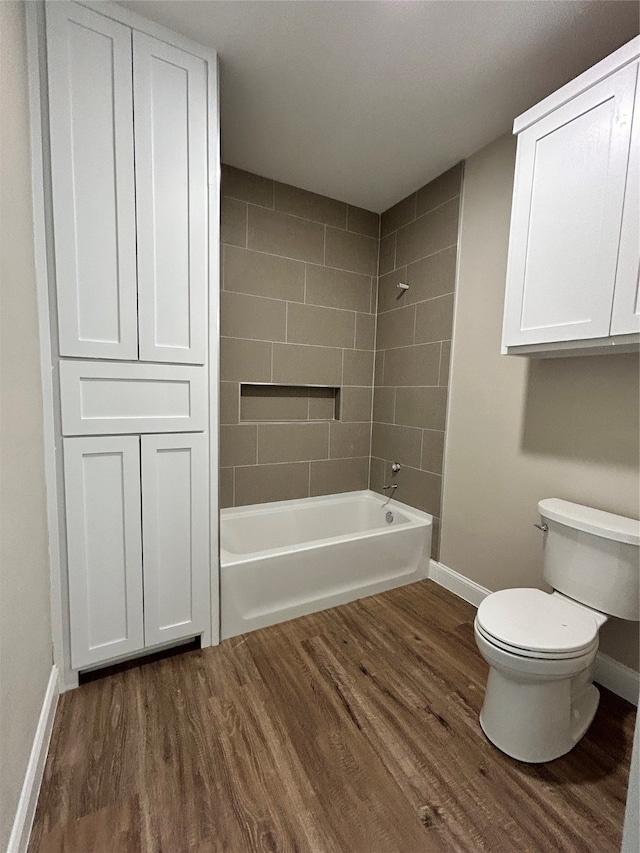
(130, 207)
(170, 105)
(574, 251)
(92, 172)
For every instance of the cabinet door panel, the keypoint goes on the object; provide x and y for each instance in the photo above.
(625, 318)
(91, 120)
(568, 199)
(102, 494)
(175, 523)
(170, 102)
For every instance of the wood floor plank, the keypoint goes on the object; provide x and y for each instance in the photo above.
(354, 730)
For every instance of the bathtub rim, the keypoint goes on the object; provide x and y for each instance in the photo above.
(415, 518)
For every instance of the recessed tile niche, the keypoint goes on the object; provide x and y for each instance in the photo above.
(288, 403)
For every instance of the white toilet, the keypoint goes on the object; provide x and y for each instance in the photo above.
(540, 646)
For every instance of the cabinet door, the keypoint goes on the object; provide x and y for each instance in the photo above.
(102, 494)
(565, 228)
(91, 121)
(175, 523)
(625, 318)
(170, 103)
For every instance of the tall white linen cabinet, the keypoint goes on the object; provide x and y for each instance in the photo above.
(126, 205)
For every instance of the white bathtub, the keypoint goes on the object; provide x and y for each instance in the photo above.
(283, 560)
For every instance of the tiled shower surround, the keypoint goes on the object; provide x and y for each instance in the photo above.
(300, 294)
(418, 246)
(297, 311)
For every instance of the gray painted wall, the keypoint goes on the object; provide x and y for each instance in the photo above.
(25, 631)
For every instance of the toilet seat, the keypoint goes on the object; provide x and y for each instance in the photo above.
(531, 623)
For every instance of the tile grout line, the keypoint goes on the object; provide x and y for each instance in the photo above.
(312, 263)
(418, 302)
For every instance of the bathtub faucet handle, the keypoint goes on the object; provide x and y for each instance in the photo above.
(395, 467)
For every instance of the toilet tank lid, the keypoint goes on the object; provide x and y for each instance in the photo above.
(585, 518)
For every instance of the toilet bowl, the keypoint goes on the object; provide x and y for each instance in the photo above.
(541, 647)
(539, 699)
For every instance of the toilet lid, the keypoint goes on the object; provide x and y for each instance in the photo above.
(537, 622)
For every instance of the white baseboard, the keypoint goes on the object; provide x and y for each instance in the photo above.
(26, 810)
(615, 676)
(457, 584)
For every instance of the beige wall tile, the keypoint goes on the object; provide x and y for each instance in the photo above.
(397, 443)
(274, 403)
(421, 407)
(445, 360)
(245, 186)
(435, 537)
(238, 445)
(348, 251)
(245, 361)
(225, 487)
(324, 327)
(420, 489)
(377, 473)
(288, 236)
(349, 440)
(363, 221)
(432, 451)
(389, 296)
(305, 365)
(378, 376)
(322, 404)
(263, 275)
(355, 404)
(365, 331)
(233, 222)
(384, 405)
(338, 288)
(416, 365)
(252, 317)
(263, 483)
(387, 254)
(309, 205)
(441, 189)
(374, 295)
(292, 442)
(432, 276)
(396, 328)
(431, 233)
(229, 402)
(339, 475)
(358, 367)
(400, 214)
(434, 319)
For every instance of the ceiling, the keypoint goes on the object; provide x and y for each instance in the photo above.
(367, 101)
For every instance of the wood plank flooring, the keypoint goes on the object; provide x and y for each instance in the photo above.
(354, 730)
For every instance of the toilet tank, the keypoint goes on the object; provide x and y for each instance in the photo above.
(592, 557)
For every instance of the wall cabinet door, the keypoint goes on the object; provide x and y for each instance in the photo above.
(102, 487)
(91, 123)
(625, 318)
(570, 183)
(175, 523)
(170, 104)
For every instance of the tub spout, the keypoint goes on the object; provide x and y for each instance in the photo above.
(393, 487)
